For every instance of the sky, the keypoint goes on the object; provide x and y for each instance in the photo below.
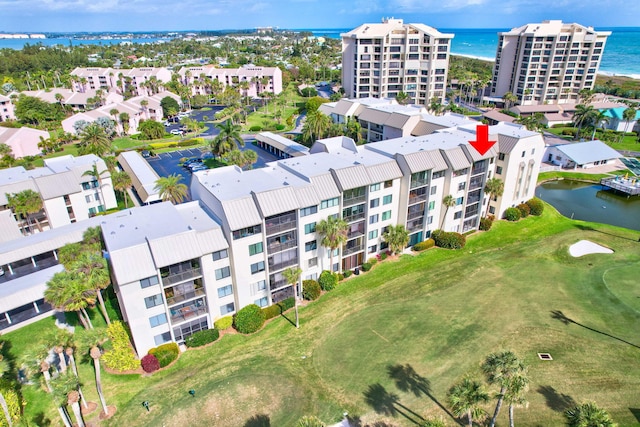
(181, 15)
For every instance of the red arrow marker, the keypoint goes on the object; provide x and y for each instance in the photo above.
(482, 143)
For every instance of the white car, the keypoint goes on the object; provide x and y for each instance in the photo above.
(176, 132)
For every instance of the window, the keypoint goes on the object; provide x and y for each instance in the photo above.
(262, 302)
(86, 186)
(311, 246)
(308, 211)
(153, 300)
(246, 232)
(259, 286)
(256, 248)
(372, 249)
(433, 190)
(149, 281)
(224, 291)
(459, 201)
(499, 170)
(373, 234)
(96, 197)
(461, 186)
(374, 187)
(492, 210)
(160, 319)
(374, 203)
(220, 255)
(373, 219)
(457, 215)
(228, 308)
(313, 262)
(432, 205)
(533, 151)
(387, 199)
(437, 175)
(162, 338)
(430, 219)
(388, 184)
(501, 156)
(386, 215)
(524, 153)
(309, 228)
(329, 203)
(87, 199)
(223, 272)
(257, 267)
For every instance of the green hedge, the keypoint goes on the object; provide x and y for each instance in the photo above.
(166, 353)
(311, 289)
(249, 319)
(524, 210)
(536, 206)
(201, 338)
(223, 323)
(120, 357)
(347, 273)
(486, 222)
(449, 240)
(278, 308)
(255, 128)
(421, 246)
(373, 260)
(327, 280)
(366, 266)
(512, 214)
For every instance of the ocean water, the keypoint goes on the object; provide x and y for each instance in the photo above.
(621, 54)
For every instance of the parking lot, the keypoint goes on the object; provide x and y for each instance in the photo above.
(199, 115)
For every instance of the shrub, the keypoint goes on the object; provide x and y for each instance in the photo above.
(421, 246)
(536, 207)
(150, 363)
(340, 277)
(201, 338)
(366, 266)
(512, 214)
(287, 303)
(272, 311)
(486, 223)
(449, 240)
(120, 357)
(383, 256)
(373, 260)
(311, 289)
(308, 92)
(524, 210)
(327, 280)
(569, 131)
(255, 128)
(347, 273)
(166, 353)
(249, 319)
(223, 323)
(280, 127)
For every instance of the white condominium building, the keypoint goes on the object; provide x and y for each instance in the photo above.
(549, 62)
(138, 81)
(382, 60)
(251, 80)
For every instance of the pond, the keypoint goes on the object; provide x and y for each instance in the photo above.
(588, 202)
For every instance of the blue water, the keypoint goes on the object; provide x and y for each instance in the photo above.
(621, 55)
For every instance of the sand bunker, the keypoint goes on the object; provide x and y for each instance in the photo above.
(585, 247)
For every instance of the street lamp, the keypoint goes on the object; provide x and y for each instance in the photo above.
(146, 405)
(192, 392)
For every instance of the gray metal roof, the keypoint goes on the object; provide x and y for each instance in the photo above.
(425, 160)
(384, 171)
(307, 196)
(587, 152)
(143, 177)
(132, 263)
(352, 177)
(507, 143)
(277, 201)
(9, 229)
(58, 185)
(457, 158)
(26, 289)
(325, 186)
(175, 248)
(241, 213)
(283, 144)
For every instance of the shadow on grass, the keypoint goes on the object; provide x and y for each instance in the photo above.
(259, 420)
(556, 401)
(355, 421)
(589, 228)
(636, 413)
(41, 420)
(408, 380)
(386, 403)
(289, 320)
(559, 315)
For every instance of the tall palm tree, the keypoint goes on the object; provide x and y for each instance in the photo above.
(583, 116)
(96, 353)
(24, 204)
(628, 115)
(124, 121)
(588, 415)
(334, 234)
(494, 187)
(292, 276)
(228, 137)
(466, 397)
(68, 291)
(94, 140)
(121, 182)
(315, 126)
(171, 189)
(600, 119)
(509, 98)
(396, 237)
(500, 369)
(448, 202)
(96, 273)
(514, 395)
(97, 175)
(74, 368)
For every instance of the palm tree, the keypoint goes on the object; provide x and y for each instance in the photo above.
(500, 369)
(4, 367)
(315, 126)
(628, 115)
(514, 396)
(494, 187)
(74, 368)
(600, 118)
(396, 237)
(124, 121)
(171, 189)
(96, 273)
(228, 137)
(97, 175)
(403, 98)
(588, 415)
(583, 115)
(68, 291)
(96, 353)
(24, 204)
(466, 397)
(448, 202)
(309, 421)
(121, 182)
(94, 140)
(334, 232)
(292, 276)
(509, 98)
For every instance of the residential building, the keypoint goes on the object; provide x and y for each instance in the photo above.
(581, 155)
(280, 146)
(259, 79)
(143, 177)
(68, 194)
(136, 81)
(74, 100)
(23, 141)
(6, 109)
(384, 59)
(548, 62)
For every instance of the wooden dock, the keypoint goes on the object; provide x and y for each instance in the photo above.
(629, 186)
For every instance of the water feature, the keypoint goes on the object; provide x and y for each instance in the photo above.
(588, 202)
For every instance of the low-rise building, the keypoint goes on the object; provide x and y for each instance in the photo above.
(138, 81)
(6, 109)
(251, 80)
(23, 141)
(581, 155)
(74, 100)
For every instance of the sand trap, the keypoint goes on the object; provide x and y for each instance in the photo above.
(585, 247)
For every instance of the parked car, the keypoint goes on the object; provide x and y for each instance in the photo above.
(166, 123)
(176, 132)
(146, 153)
(193, 161)
(199, 167)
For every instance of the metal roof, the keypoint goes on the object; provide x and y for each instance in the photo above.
(457, 158)
(325, 186)
(241, 213)
(9, 229)
(506, 143)
(132, 263)
(277, 201)
(283, 144)
(425, 160)
(384, 171)
(175, 248)
(26, 289)
(143, 177)
(352, 177)
(307, 196)
(60, 184)
(588, 152)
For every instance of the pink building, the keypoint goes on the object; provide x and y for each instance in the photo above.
(260, 79)
(71, 99)
(140, 81)
(23, 141)
(6, 109)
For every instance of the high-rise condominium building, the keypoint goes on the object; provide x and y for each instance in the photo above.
(382, 60)
(550, 62)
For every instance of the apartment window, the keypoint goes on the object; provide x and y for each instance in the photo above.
(386, 215)
(329, 203)
(388, 184)
(308, 211)
(262, 302)
(309, 228)
(220, 255)
(256, 248)
(162, 338)
(223, 272)
(498, 170)
(259, 286)
(313, 262)
(459, 201)
(224, 291)
(437, 175)
(160, 319)
(501, 156)
(430, 219)
(387, 199)
(96, 197)
(461, 186)
(372, 249)
(373, 219)
(257, 267)
(153, 301)
(524, 153)
(374, 203)
(374, 187)
(149, 281)
(311, 246)
(432, 205)
(246, 232)
(433, 190)
(373, 234)
(87, 199)
(492, 210)
(457, 215)
(86, 186)
(227, 308)
(533, 151)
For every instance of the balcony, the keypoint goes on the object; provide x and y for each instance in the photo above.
(181, 276)
(277, 284)
(476, 182)
(354, 200)
(184, 296)
(275, 228)
(414, 215)
(355, 217)
(417, 199)
(279, 247)
(282, 264)
(178, 315)
(479, 170)
(352, 249)
(415, 224)
(415, 183)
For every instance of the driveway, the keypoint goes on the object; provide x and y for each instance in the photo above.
(200, 116)
(166, 164)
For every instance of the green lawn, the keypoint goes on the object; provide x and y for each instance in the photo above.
(628, 143)
(579, 176)
(441, 312)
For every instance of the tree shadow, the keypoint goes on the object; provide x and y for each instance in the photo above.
(293, 323)
(559, 315)
(589, 228)
(636, 413)
(355, 421)
(556, 401)
(41, 420)
(386, 403)
(258, 420)
(408, 380)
